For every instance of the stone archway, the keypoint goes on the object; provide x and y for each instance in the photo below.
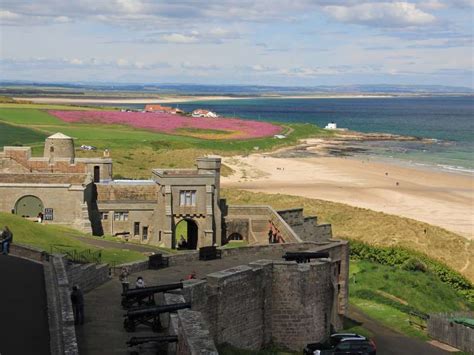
(29, 206)
(186, 230)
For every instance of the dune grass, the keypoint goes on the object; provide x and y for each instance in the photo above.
(44, 236)
(374, 228)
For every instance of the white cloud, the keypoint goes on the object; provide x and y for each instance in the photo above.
(384, 14)
(179, 38)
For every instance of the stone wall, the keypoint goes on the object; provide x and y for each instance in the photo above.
(307, 228)
(260, 216)
(88, 276)
(60, 316)
(28, 252)
(265, 302)
(302, 296)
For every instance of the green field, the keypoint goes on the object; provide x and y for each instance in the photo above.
(135, 151)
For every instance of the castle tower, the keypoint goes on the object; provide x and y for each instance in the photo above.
(211, 164)
(59, 146)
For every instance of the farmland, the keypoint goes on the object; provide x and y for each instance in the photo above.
(202, 127)
(137, 150)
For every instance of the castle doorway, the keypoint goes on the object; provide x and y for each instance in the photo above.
(29, 206)
(186, 234)
(96, 173)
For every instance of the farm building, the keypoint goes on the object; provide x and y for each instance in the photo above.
(81, 193)
(162, 109)
(204, 113)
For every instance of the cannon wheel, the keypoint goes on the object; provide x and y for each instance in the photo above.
(156, 327)
(129, 325)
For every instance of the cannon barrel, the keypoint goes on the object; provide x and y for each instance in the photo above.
(305, 255)
(134, 341)
(152, 289)
(156, 310)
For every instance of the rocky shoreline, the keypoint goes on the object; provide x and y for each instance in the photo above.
(343, 144)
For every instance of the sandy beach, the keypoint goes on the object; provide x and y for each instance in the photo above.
(438, 198)
(179, 98)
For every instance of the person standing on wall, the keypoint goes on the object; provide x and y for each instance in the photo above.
(7, 236)
(77, 300)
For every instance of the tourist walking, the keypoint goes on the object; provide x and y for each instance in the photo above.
(123, 277)
(7, 239)
(77, 300)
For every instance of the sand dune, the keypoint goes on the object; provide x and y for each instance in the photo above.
(442, 199)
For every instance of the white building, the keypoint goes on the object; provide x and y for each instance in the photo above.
(204, 113)
(331, 125)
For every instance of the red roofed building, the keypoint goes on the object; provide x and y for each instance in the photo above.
(164, 109)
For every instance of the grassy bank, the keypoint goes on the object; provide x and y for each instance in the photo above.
(375, 228)
(44, 236)
(392, 295)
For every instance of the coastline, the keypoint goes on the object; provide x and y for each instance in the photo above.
(183, 98)
(440, 198)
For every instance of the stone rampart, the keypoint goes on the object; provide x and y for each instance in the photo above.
(28, 252)
(265, 214)
(88, 276)
(60, 316)
(285, 303)
(307, 228)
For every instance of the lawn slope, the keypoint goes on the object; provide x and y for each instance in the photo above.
(44, 236)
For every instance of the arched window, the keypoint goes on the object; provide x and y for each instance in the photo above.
(235, 236)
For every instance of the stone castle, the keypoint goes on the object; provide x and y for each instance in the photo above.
(250, 306)
(81, 192)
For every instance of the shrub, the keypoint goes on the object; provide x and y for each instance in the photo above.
(397, 256)
(414, 264)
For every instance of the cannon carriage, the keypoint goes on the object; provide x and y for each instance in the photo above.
(305, 256)
(146, 295)
(149, 315)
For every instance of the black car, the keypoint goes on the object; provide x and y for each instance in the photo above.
(342, 343)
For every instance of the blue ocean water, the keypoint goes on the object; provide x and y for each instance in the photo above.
(448, 120)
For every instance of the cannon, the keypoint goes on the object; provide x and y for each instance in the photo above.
(150, 316)
(305, 256)
(146, 295)
(160, 339)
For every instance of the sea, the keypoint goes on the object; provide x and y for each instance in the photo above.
(448, 121)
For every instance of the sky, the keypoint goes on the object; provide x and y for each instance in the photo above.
(248, 42)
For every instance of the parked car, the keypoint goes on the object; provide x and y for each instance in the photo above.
(342, 344)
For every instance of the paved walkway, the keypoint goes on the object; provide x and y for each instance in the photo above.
(117, 245)
(23, 311)
(390, 342)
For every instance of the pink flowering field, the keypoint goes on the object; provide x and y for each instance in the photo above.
(208, 128)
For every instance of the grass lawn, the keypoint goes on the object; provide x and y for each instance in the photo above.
(11, 135)
(372, 227)
(43, 236)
